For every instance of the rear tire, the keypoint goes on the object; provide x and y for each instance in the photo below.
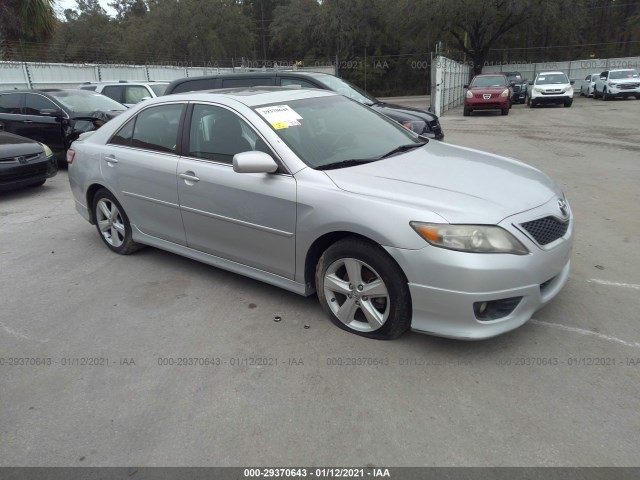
(362, 290)
(113, 224)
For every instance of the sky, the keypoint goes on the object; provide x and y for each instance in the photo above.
(61, 5)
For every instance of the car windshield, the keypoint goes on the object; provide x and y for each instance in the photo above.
(345, 88)
(159, 88)
(489, 81)
(86, 101)
(514, 76)
(619, 75)
(552, 79)
(330, 132)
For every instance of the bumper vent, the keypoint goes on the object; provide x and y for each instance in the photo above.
(495, 309)
(546, 230)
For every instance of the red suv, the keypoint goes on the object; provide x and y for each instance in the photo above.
(488, 91)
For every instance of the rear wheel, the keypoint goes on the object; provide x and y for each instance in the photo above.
(363, 290)
(113, 224)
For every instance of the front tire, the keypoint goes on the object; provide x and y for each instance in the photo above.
(39, 183)
(113, 224)
(466, 112)
(505, 111)
(605, 95)
(568, 103)
(363, 290)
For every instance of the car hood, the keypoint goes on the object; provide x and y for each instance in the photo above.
(460, 184)
(399, 112)
(15, 146)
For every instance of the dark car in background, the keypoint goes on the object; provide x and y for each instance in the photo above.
(518, 86)
(419, 121)
(488, 91)
(24, 162)
(55, 117)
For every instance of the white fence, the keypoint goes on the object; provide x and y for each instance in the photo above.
(448, 78)
(67, 75)
(576, 70)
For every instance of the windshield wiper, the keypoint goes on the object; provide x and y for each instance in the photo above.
(346, 163)
(402, 148)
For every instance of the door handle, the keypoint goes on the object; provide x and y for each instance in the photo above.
(189, 176)
(110, 159)
(27, 121)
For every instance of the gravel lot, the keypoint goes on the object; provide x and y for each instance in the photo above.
(562, 390)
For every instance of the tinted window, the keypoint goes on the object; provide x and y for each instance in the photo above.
(114, 92)
(90, 87)
(124, 135)
(192, 85)
(157, 128)
(159, 88)
(246, 82)
(218, 134)
(10, 103)
(135, 94)
(296, 81)
(35, 103)
(488, 81)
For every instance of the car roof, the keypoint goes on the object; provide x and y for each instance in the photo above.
(550, 73)
(251, 96)
(496, 74)
(125, 82)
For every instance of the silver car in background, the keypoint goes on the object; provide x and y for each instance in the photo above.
(314, 192)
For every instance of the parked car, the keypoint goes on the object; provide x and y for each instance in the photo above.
(55, 117)
(420, 121)
(126, 92)
(24, 162)
(550, 88)
(488, 91)
(586, 87)
(313, 192)
(518, 86)
(617, 83)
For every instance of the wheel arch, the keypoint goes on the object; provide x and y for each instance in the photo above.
(91, 193)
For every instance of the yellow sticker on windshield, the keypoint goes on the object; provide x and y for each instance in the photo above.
(280, 125)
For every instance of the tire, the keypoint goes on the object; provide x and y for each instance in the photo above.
(568, 103)
(595, 93)
(532, 104)
(466, 112)
(505, 111)
(605, 96)
(388, 314)
(113, 224)
(38, 184)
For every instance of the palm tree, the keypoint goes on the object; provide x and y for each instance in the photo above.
(27, 19)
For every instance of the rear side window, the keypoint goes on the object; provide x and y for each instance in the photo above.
(11, 103)
(296, 81)
(156, 128)
(135, 94)
(192, 85)
(246, 82)
(124, 135)
(114, 92)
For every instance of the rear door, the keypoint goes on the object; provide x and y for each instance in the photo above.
(249, 218)
(140, 165)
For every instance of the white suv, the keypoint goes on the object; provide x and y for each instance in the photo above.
(550, 87)
(127, 93)
(622, 82)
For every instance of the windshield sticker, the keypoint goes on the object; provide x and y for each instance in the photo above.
(280, 116)
(541, 78)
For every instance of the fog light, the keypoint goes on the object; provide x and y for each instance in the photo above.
(482, 308)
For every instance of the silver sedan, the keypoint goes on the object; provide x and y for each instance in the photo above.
(313, 192)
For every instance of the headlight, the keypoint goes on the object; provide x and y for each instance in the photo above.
(505, 93)
(537, 89)
(611, 84)
(470, 238)
(469, 94)
(414, 125)
(47, 150)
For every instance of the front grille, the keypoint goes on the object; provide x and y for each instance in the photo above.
(27, 158)
(552, 92)
(546, 230)
(516, 89)
(628, 86)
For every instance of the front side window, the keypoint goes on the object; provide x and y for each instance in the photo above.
(159, 88)
(124, 136)
(218, 134)
(11, 103)
(156, 128)
(36, 103)
(135, 94)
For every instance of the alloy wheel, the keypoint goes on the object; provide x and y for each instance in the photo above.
(110, 222)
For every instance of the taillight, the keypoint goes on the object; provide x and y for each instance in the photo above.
(71, 154)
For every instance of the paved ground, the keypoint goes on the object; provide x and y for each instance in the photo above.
(64, 296)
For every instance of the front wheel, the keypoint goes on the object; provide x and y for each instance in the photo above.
(505, 111)
(363, 290)
(568, 103)
(605, 95)
(466, 112)
(113, 224)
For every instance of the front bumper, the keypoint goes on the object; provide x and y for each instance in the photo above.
(16, 175)
(623, 92)
(476, 103)
(548, 99)
(445, 284)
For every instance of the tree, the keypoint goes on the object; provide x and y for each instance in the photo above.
(476, 25)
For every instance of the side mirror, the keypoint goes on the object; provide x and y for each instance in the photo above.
(603, 78)
(254, 162)
(572, 82)
(530, 82)
(465, 86)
